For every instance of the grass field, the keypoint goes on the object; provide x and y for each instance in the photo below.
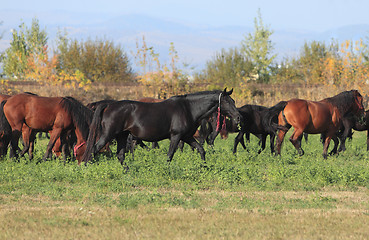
(242, 196)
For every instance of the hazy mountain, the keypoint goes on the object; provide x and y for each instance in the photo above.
(195, 44)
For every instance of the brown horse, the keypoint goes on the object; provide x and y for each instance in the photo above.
(44, 114)
(5, 128)
(314, 117)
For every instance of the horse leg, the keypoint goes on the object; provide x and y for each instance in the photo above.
(174, 140)
(326, 145)
(367, 140)
(103, 140)
(242, 140)
(193, 143)
(347, 129)
(272, 137)
(55, 134)
(121, 148)
(295, 139)
(66, 152)
(181, 145)
(26, 133)
(306, 136)
(14, 144)
(32, 140)
(65, 147)
(280, 137)
(211, 137)
(155, 145)
(336, 142)
(238, 139)
(263, 140)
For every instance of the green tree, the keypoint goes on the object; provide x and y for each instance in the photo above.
(98, 60)
(227, 68)
(311, 60)
(26, 42)
(258, 47)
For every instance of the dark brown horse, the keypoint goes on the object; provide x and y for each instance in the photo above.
(254, 122)
(44, 114)
(5, 130)
(176, 118)
(314, 117)
(352, 122)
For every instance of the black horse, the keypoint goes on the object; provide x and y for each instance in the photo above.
(176, 118)
(254, 122)
(350, 122)
(216, 124)
(252, 116)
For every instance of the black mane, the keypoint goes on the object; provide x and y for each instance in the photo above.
(343, 101)
(81, 115)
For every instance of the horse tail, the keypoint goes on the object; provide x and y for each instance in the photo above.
(95, 130)
(5, 130)
(274, 111)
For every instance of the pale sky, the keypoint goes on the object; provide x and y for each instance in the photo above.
(318, 15)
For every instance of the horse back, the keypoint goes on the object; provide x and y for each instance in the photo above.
(4, 97)
(252, 118)
(310, 116)
(147, 121)
(37, 112)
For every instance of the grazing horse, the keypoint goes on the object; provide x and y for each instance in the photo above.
(314, 117)
(43, 114)
(176, 118)
(352, 122)
(253, 122)
(5, 130)
(214, 125)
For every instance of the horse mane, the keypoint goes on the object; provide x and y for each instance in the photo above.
(343, 101)
(94, 105)
(31, 93)
(81, 115)
(198, 94)
(5, 128)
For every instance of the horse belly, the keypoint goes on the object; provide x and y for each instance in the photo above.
(150, 130)
(44, 124)
(318, 125)
(149, 134)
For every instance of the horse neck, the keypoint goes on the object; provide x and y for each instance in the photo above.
(202, 107)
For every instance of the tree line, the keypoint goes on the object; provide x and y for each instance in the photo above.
(81, 63)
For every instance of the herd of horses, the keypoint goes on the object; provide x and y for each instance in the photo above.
(191, 118)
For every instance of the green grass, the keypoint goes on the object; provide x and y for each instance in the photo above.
(223, 170)
(54, 195)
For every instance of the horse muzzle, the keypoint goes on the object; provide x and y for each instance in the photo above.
(237, 122)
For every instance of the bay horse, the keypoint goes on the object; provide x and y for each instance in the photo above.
(176, 118)
(44, 114)
(314, 117)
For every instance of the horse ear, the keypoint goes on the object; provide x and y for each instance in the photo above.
(230, 92)
(227, 93)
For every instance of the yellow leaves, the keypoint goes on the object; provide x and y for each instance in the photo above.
(158, 79)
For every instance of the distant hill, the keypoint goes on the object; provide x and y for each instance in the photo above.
(195, 44)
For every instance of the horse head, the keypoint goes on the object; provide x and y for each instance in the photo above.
(228, 108)
(358, 107)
